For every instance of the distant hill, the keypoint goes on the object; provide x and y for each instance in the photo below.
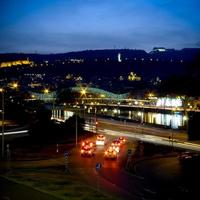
(88, 55)
(160, 62)
(186, 54)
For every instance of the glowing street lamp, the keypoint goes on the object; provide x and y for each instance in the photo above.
(15, 85)
(46, 91)
(151, 95)
(2, 91)
(83, 92)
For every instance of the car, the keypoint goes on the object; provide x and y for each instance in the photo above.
(122, 140)
(116, 145)
(189, 156)
(88, 143)
(100, 140)
(110, 153)
(87, 151)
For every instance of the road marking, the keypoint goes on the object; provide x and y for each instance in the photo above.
(14, 132)
(134, 175)
(150, 191)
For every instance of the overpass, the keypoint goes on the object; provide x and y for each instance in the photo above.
(98, 92)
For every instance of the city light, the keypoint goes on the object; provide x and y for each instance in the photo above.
(185, 118)
(139, 114)
(46, 91)
(102, 95)
(83, 92)
(169, 102)
(14, 85)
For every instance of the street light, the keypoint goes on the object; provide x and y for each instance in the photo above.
(2, 91)
(2, 123)
(83, 92)
(172, 134)
(76, 131)
(15, 85)
(46, 91)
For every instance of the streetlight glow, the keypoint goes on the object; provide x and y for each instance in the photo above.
(15, 85)
(83, 91)
(185, 118)
(46, 91)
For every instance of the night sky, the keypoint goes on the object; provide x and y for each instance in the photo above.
(53, 26)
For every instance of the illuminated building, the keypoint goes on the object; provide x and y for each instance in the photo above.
(119, 58)
(133, 77)
(159, 49)
(169, 102)
(15, 63)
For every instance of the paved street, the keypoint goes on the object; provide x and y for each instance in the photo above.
(112, 178)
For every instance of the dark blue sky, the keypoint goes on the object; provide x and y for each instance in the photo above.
(52, 26)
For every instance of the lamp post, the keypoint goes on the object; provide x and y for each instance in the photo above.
(2, 123)
(76, 130)
(172, 134)
(2, 90)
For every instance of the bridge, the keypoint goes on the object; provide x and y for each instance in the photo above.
(84, 91)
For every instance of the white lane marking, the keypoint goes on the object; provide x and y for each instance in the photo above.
(14, 132)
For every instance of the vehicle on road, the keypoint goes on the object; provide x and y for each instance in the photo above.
(116, 142)
(116, 145)
(100, 140)
(110, 153)
(88, 143)
(87, 151)
(122, 140)
(189, 156)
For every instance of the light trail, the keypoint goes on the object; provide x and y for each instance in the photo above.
(153, 139)
(14, 132)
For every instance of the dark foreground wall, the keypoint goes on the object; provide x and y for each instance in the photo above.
(194, 125)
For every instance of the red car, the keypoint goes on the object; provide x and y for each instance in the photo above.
(116, 145)
(87, 143)
(110, 153)
(122, 140)
(87, 151)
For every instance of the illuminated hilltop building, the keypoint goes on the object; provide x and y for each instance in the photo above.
(133, 77)
(119, 57)
(15, 63)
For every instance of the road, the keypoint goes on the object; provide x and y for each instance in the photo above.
(162, 177)
(112, 177)
(173, 180)
(146, 134)
(151, 179)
